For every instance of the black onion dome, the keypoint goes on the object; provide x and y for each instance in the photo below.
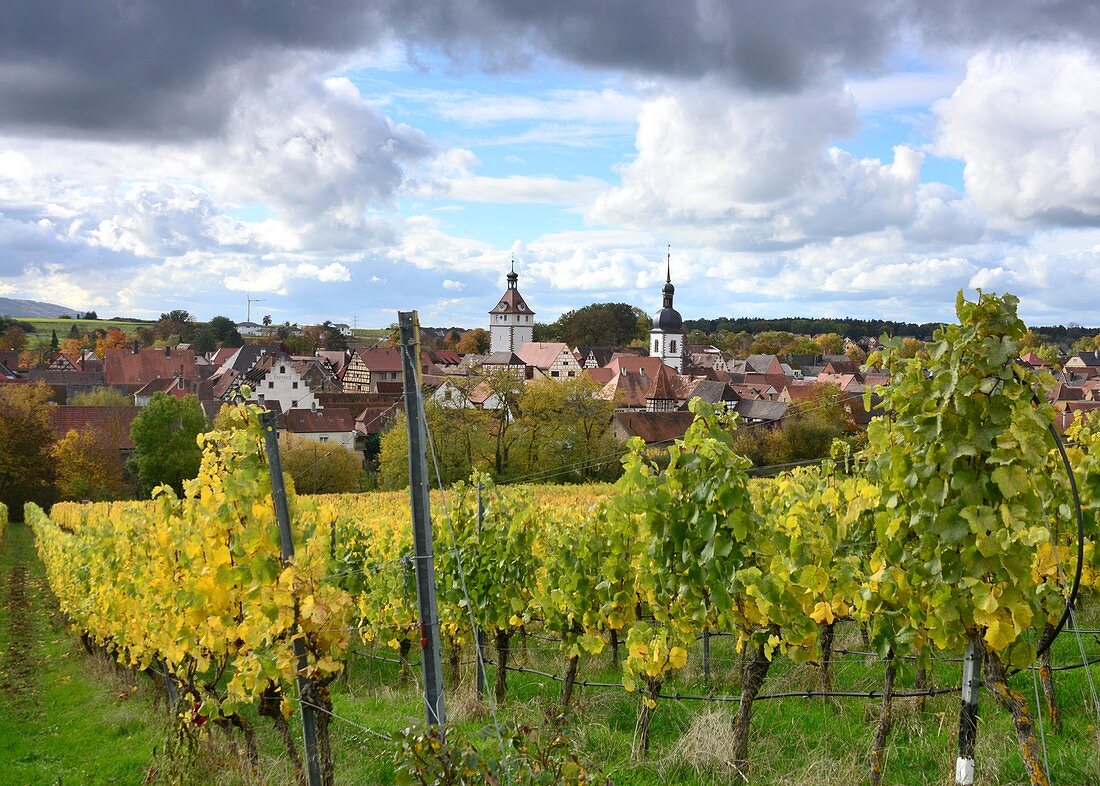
(668, 319)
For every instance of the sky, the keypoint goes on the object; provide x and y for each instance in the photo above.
(345, 159)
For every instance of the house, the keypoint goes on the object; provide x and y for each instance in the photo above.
(250, 329)
(508, 362)
(329, 425)
(343, 329)
(177, 387)
(1084, 364)
(656, 429)
(377, 370)
(111, 424)
(374, 420)
(553, 360)
(763, 412)
(137, 369)
(274, 378)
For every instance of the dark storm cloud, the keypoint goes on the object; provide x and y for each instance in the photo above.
(150, 67)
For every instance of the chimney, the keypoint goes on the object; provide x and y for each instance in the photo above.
(168, 352)
(137, 346)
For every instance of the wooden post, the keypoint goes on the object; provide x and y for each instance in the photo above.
(423, 549)
(968, 715)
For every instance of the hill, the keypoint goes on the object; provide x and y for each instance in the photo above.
(12, 307)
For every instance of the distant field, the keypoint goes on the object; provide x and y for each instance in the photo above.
(44, 327)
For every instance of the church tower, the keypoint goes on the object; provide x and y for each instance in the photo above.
(511, 322)
(666, 339)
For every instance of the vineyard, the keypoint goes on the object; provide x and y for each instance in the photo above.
(648, 607)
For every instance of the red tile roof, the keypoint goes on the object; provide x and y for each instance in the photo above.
(652, 427)
(112, 422)
(124, 367)
(309, 421)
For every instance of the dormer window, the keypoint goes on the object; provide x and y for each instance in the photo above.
(502, 305)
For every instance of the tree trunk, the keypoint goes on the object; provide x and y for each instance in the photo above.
(921, 683)
(754, 673)
(645, 717)
(1013, 701)
(706, 654)
(878, 746)
(1046, 678)
(270, 706)
(614, 648)
(828, 632)
(570, 678)
(501, 685)
(454, 659)
(403, 654)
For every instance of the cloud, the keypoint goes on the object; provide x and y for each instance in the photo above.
(1024, 122)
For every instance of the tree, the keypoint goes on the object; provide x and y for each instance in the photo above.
(114, 338)
(331, 337)
(26, 436)
(601, 324)
(88, 467)
(176, 322)
(225, 332)
(1086, 344)
(202, 340)
(267, 320)
(473, 342)
(102, 397)
(165, 450)
(14, 338)
(321, 467)
(462, 438)
(830, 343)
(565, 429)
(54, 343)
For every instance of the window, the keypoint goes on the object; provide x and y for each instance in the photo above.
(294, 403)
(282, 369)
(674, 345)
(656, 345)
(270, 385)
(294, 385)
(553, 373)
(323, 438)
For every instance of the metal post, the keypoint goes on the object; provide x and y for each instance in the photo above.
(286, 540)
(968, 715)
(479, 656)
(431, 658)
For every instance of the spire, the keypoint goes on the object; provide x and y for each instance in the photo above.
(668, 290)
(513, 277)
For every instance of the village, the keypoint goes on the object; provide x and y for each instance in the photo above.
(350, 396)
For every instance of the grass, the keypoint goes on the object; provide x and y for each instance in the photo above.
(84, 722)
(64, 718)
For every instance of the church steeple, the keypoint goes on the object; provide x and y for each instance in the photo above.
(511, 322)
(667, 336)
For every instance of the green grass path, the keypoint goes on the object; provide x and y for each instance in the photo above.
(61, 722)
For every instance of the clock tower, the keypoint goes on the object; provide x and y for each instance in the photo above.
(511, 322)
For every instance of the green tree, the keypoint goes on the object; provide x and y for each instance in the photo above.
(55, 344)
(225, 332)
(165, 450)
(830, 343)
(102, 397)
(771, 342)
(462, 438)
(26, 437)
(321, 467)
(565, 429)
(601, 324)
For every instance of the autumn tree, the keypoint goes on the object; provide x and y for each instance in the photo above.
(14, 338)
(473, 342)
(321, 467)
(26, 437)
(88, 467)
(165, 450)
(462, 439)
(114, 338)
(830, 343)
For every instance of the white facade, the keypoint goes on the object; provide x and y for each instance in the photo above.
(284, 384)
(669, 347)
